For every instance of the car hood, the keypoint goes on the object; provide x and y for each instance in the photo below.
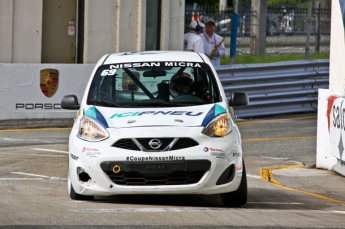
(167, 116)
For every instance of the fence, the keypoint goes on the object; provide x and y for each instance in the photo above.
(287, 27)
(276, 88)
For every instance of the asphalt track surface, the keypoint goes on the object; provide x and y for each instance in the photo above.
(285, 190)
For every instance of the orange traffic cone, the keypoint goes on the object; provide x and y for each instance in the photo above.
(198, 17)
(193, 16)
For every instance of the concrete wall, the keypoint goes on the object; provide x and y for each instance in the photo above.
(329, 153)
(122, 27)
(20, 31)
(172, 24)
(337, 50)
(110, 26)
(27, 31)
(6, 16)
(99, 31)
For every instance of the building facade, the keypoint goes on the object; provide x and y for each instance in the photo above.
(81, 31)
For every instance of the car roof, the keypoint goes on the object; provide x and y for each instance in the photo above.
(150, 56)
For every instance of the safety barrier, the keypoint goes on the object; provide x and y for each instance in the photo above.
(276, 88)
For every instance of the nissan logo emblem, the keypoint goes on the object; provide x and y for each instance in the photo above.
(155, 143)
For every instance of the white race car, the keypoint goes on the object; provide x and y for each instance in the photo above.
(156, 122)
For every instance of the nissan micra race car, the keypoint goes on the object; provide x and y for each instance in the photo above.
(156, 122)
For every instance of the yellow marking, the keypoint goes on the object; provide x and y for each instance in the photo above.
(267, 175)
(28, 129)
(276, 120)
(277, 139)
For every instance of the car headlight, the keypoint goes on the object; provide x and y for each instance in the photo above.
(219, 126)
(91, 130)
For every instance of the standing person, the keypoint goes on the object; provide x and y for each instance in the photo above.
(211, 40)
(192, 40)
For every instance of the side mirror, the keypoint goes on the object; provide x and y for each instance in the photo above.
(239, 99)
(70, 102)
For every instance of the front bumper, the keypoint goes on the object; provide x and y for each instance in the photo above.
(211, 167)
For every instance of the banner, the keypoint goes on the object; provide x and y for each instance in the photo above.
(35, 90)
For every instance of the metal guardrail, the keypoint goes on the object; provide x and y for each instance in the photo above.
(276, 88)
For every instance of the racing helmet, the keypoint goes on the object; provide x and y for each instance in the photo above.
(180, 78)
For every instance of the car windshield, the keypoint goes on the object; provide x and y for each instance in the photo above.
(153, 84)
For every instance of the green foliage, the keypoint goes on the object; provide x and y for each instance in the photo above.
(276, 3)
(256, 59)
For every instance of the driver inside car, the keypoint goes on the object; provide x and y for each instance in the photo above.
(181, 83)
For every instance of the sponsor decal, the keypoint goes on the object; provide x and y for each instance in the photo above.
(93, 112)
(236, 154)
(151, 158)
(74, 157)
(141, 113)
(155, 167)
(92, 152)
(218, 155)
(216, 150)
(330, 101)
(154, 64)
(38, 106)
(336, 123)
(49, 81)
(213, 112)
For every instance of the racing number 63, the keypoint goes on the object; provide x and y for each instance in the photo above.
(108, 72)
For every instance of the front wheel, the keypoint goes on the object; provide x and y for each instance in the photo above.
(75, 196)
(238, 197)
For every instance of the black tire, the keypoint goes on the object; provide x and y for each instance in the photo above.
(238, 197)
(76, 196)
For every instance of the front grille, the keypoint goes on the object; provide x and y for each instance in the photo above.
(129, 144)
(148, 173)
(126, 144)
(145, 142)
(174, 178)
(183, 143)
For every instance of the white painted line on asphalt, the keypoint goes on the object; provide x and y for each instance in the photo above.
(201, 209)
(50, 150)
(45, 155)
(23, 140)
(254, 176)
(339, 212)
(38, 175)
(18, 179)
(22, 178)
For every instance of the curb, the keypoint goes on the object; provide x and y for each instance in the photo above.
(36, 123)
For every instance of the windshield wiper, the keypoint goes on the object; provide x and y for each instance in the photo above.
(102, 103)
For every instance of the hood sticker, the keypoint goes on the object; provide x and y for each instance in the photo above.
(94, 113)
(214, 111)
(142, 113)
